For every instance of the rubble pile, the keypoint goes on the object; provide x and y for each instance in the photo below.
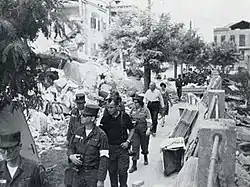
(237, 109)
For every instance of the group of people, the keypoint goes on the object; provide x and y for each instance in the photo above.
(93, 150)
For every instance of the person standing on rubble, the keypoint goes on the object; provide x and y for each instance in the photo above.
(87, 152)
(143, 123)
(115, 124)
(16, 170)
(75, 115)
(154, 101)
(167, 101)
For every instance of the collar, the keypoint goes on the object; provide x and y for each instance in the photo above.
(20, 166)
(116, 115)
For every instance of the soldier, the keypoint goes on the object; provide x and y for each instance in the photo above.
(88, 152)
(75, 114)
(142, 118)
(16, 170)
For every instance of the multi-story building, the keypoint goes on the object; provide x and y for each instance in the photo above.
(94, 18)
(239, 33)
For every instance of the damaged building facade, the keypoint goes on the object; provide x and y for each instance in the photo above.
(239, 33)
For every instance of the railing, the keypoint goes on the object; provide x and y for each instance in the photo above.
(213, 158)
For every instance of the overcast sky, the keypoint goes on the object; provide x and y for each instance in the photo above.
(204, 14)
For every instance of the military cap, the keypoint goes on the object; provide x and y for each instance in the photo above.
(10, 131)
(90, 110)
(80, 98)
(10, 140)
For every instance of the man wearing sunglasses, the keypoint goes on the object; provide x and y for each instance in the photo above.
(16, 170)
(75, 114)
(88, 152)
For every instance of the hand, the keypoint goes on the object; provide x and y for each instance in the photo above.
(100, 183)
(148, 132)
(125, 145)
(75, 160)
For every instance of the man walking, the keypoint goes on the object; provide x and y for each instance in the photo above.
(115, 124)
(154, 101)
(75, 114)
(88, 152)
(16, 170)
(178, 84)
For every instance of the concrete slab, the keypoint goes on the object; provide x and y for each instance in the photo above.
(152, 174)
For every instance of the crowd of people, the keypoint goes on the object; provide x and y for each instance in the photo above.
(93, 150)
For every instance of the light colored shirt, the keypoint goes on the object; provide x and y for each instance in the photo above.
(12, 170)
(153, 96)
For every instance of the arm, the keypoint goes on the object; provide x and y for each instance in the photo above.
(148, 118)
(69, 133)
(145, 99)
(104, 158)
(168, 98)
(161, 99)
(41, 179)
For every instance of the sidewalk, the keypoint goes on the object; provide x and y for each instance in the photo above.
(152, 174)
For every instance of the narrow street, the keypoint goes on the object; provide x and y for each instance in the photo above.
(153, 175)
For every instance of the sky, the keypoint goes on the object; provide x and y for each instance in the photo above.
(204, 14)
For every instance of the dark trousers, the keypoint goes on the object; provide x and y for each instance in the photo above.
(179, 92)
(154, 108)
(140, 139)
(86, 178)
(118, 165)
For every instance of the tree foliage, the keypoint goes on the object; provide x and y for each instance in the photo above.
(224, 55)
(20, 22)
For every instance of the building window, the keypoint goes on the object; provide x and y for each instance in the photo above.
(215, 39)
(223, 38)
(99, 25)
(93, 23)
(93, 49)
(232, 38)
(242, 40)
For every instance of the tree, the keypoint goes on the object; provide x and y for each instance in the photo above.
(137, 40)
(20, 22)
(224, 55)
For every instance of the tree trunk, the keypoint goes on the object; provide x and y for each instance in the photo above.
(175, 69)
(147, 76)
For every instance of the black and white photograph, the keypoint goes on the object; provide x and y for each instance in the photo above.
(124, 93)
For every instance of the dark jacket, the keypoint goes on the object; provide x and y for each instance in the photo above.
(89, 147)
(28, 174)
(73, 123)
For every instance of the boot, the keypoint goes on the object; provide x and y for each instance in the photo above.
(134, 167)
(145, 159)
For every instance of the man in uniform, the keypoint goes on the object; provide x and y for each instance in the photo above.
(88, 152)
(75, 114)
(16, 170)
(116, 124)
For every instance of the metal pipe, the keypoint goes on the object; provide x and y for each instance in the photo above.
(217, 107)
(213, 161)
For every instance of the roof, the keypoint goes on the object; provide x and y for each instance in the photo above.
(241, 25)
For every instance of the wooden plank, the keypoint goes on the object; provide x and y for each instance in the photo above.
(184, 124)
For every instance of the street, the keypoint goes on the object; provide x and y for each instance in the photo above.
(152, 174)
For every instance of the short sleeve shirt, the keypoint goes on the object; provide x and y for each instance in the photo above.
(117, 128)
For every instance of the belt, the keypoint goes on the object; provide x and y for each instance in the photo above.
(88, 167)
(153, 101)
